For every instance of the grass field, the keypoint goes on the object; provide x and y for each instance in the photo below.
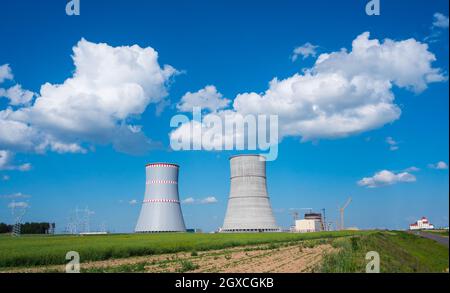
(29, 251)
(399, 252)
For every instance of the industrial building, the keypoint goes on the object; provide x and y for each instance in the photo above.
(248, 207)
(312, 222)
(422, 224)
(304, 226)
(161, 210)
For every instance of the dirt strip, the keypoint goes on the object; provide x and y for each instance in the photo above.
(289, 258)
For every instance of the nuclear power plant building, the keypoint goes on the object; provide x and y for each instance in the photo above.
(161, 210)
(249, 207)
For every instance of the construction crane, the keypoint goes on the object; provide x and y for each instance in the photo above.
(341, 212)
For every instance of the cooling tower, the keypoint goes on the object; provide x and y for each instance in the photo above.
(161, 210)
(248, 208)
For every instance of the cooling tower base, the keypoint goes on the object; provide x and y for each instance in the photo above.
(149, 232)
(249, 230)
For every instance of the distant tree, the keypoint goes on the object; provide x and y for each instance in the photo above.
(5, 228)
(29, 228)
(34, 228)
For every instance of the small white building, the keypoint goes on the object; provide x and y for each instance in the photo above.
(308, 225)
(422, 224)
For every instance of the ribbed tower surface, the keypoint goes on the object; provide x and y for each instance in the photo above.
(161, 210)
(249, 207)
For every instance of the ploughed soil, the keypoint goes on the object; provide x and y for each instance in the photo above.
(277, 258)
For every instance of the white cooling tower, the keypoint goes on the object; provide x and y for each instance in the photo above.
(161, 210)
(248, 208)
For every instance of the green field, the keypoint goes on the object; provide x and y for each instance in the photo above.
(28, 251)
(399, 251)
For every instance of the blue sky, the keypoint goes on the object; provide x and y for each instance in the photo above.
(239, 48)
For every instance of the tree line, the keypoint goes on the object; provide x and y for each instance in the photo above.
(29, 228)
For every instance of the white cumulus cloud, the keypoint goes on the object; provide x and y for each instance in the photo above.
(6, 159)
(412, 169)
(393, 145)
(110, 87)
(345, 92)
(17, 95)
(386, 177)
(207, 98)
(440, 20)
(440, 24)
(441, 165)
(189, 200)
(5, 73)
(305, 51)
(209, 200)
(206, 200)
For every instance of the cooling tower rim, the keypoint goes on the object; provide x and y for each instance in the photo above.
(161, 164)
(246, 155)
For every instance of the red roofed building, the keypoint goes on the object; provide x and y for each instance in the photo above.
(422, 224)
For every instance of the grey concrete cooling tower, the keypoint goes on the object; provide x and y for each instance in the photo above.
(161, 210)
(248, 208)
